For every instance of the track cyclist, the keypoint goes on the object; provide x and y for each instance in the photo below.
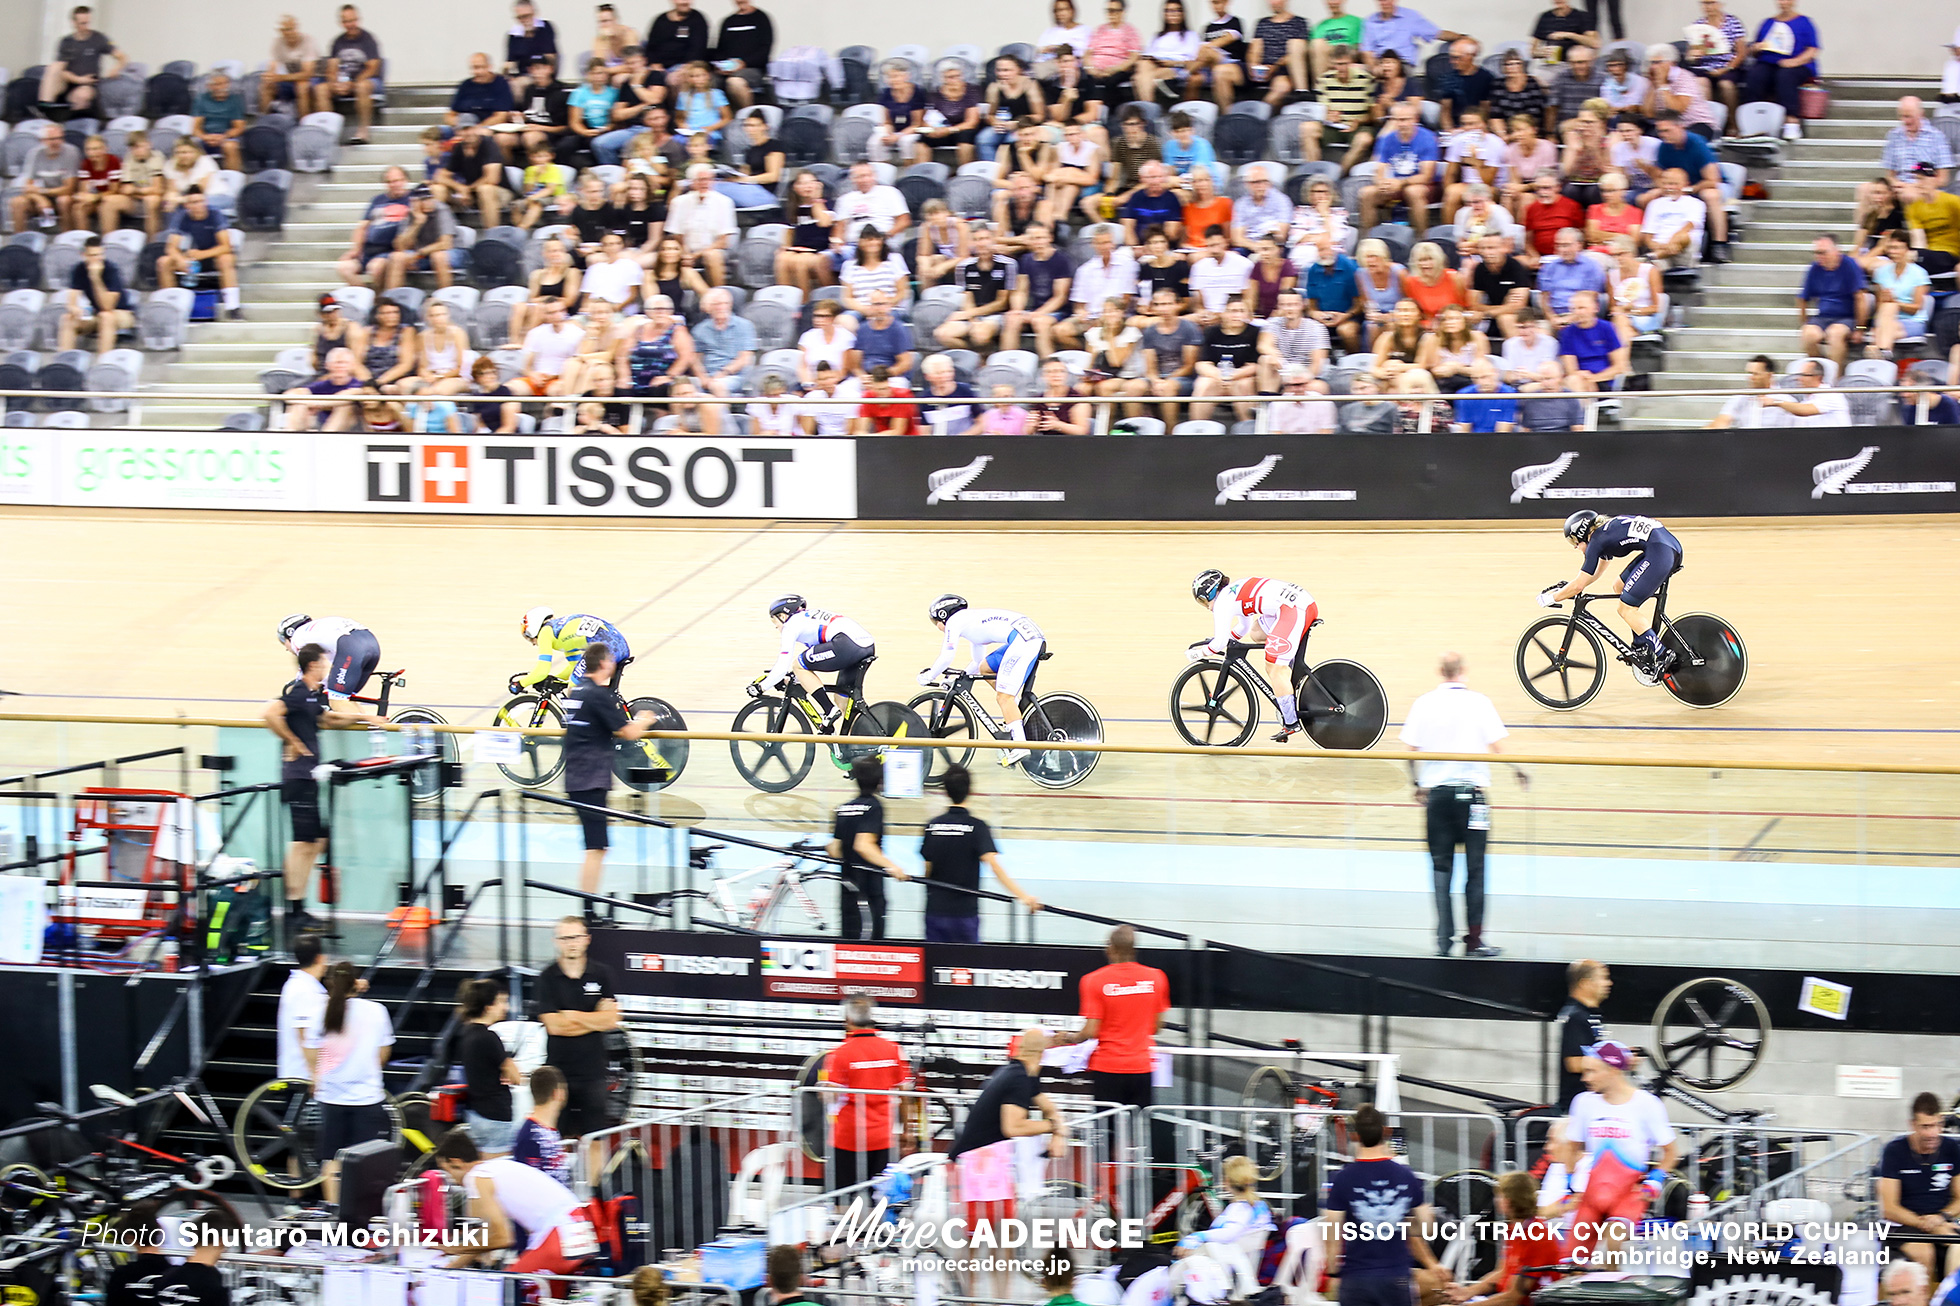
(1005, 644)
(1282, 611)
(352, 650)
(1625, 1132)
(566, 637)
(1659, 556)
(817, 640)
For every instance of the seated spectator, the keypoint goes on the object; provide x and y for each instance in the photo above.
(1681, 149)
(829, 344)
(545, 109)
(141, 188)
(1831, 302)
(352, 65)
(1559, 29)
(828, 419)
(873, 268)
(1347, 99)
(1451, 351)
(546, 184)
(1476, 414)
(1393, 28)
(1301, 411)
(1013, 101)
(1550, 414)
(593, 419)
(1318, 224)
(388, 354)
(700, 108)
(197, 235)
(1160, 265)
(1170, 347)
(1465, 88)
(1381, 283)
(373, 238)
(1572, 85)
(657, 352)
(95, 293)
(1001, 415)
(1164, 69)
(1110, 56)
(190, 170)
(1018, 207)
(1233, 357)
(1475, 157)
(1261, 211)
(1783, 57)
(645, 136)
(1431, 284)
(1204, 208)
(1585, 158)
(1057, 408)
(754, 186)
(1568, 273)
(883, 340)
(1754, 409)
(1905, 299)
(1277, 57)
(1072, 96)
(640, 87)
(472, 177)
(97, 194)
(675, 39)
(339, 378)
(590, 216)
(1077, 172)
(1064, 35)
(1623, 89)
(1527, 157)
(482, 95)
(1915, 141)
(1218, 275)
(884, 410)
(381, 414)
(1941, 410)
(904, 107)
(1673, 89)
(218, 118)
(1365, 414)
(425, 242)
(642, 219)
(1109, 273)
(1500, 286)
(1339, 28)
(497, 409)
(1409, 154)
(1634, 291)
(548, 350)
(556, 281)
(1186, 154)
(613, 276)
(1413, 413)
(590, 115)
(952, 117)
(332, 330)
(1545, 214)
(1809, 404)
(1717, 46)
(1393, 83)
(443, 349)
(1272, 276)
(705, 222)
(1670, 229)
(1516, 94)
(289, 73)
(804, 259)
(1298, 341)
(1115, 352)
(1933, 216)
(1881, 211)
(1479, 216)
(986, 282)
(743, 45)
(47, 181)
(1039, 301)
(947, 403)
(1525, 354)
(1633, 156)
(867, 203)
(1591, 348)
(725, 345)
(1398, 347)
(1153, 204)
(78, 67)
(940, 244)
(1133, 147)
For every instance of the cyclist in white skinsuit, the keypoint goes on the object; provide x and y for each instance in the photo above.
(1005, 644)
(814, 640)
(352, 650)
(1280, 612)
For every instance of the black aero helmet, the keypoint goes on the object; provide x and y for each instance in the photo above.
(1209, 581)
(1581, 524)
(787, 606)
(944, 607)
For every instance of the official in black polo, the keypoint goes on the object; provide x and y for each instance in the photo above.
(1587, 982)
(956, 842)
(857, 832)
(296, 716)
(578, 1005)
(595, 718)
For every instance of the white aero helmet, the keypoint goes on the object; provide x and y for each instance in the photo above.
(535, 619)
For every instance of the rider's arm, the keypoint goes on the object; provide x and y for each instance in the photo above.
(1223, 617)
(946, 651)
(548, 651)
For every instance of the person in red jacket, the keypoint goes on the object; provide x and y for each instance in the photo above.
(861, 1130)
(1123, 1006)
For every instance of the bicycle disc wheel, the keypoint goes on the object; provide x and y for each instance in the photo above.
(1711, 1033)
(1561, 663)
(1271, 1090)
(1062, 718)
(890, 719)
(957, 723)
(774, 768)
(1211, 705)
(276, 1134)
(540, 757)
(659, 754)
(1710, 660)
(808, 1116)
(1468, 1197)
(1343, 705)
(427, 782)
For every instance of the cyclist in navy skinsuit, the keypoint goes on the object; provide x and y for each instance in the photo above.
(1658, 557)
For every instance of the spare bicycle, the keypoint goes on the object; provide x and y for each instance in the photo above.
(648, 765)
(1561, 660)
(954, 711)
(777, 766)
(1215, 701)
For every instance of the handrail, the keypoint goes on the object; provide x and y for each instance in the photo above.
(1172, 750)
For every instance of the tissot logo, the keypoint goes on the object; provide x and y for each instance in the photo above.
(1241, 484)
(1840, 477)
(979, 977)
(1536, 482)
(949, 485)
(552, 474)
(674, 963)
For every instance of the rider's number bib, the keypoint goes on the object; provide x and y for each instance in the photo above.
(577, 1240)
(1639, 528)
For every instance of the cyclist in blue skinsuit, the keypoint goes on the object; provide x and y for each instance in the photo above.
(1658, 557)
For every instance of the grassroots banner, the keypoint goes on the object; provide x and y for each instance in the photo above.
(27, 462)
(114, 468)
(577, 476)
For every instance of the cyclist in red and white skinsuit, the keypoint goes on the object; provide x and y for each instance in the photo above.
(1279, 610)
(505, 1192)
(1626, 1133)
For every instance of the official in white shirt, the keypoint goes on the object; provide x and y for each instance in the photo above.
(301, 1003)
(1453, 718)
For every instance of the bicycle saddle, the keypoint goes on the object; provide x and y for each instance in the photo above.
(698, 857)
(1045, 655)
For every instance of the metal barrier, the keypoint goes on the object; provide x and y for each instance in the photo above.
(1845, 1177)
(261, 1280)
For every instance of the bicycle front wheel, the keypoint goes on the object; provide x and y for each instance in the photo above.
(427, 782)
(773, 767)
(1062, 718)
(955, 723)
(540, 757)
(1710, 660)
(1270, 1090)
(1343, 705)
(1213, 704)
(669, 755)
(1561, 663)
(276, 1134)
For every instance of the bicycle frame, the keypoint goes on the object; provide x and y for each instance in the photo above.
(390, 680)
(1661, 626)
(961, 691)
(1240, 651)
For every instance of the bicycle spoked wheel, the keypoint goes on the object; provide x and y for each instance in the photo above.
(540, 757)
(670, 755)
(418, 1130)
(1711, 1033)
(1561, 663)
(427, 782)
(1343, 705)
(1270, 1090)
(773, 767)
(1710, 660)
(1211, 704)
(1062, 718)
(1468, 1199)
(887, 720)
(276, 1134)
(956, 723)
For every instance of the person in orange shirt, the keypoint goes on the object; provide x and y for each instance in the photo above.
(1529, 1242)
(1205, 209)
(861, 1130)
(1123, 1004)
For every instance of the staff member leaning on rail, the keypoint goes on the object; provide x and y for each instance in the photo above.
(595, 718)
(857, 829)
(297, 716)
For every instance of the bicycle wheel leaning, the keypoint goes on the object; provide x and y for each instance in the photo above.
(1716, 1022)
(427, 782)
(1343, 705)
(276, 1134)
(1561, 663)
(1055, 719)
(540, 757)
(1270, 1090)
(1214, 704)
(668, 755)
(773, 767)
(1711, 661)
(954, 722)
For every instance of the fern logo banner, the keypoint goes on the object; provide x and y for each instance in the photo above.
(1243, 485)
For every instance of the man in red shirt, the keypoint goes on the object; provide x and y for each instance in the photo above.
(1528, 1242)
(861, 1131)
(1547, 213)
(885, 410)
(1124, 1005)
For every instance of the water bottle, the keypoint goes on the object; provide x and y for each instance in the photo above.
(1697, 1207)
(1700, 1243)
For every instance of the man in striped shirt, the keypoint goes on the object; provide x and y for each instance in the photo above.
(1915, 141)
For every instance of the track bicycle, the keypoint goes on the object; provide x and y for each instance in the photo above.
(778, 766)
(954, 711)
(648, 765)
(277, 1132)
(427, 781)
(1215, 701)
(774, 898)
(1561, 660)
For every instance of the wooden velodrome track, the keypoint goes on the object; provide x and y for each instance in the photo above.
(1851, 626)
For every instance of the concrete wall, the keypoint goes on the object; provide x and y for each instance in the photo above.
(432, 42)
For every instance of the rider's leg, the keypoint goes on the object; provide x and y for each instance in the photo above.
(813, 685)
(1280, 676)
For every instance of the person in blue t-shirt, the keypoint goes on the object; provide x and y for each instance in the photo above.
(1408, 153)
(1333, 293)
(1479, 410)
(1153, 204)
(1659, 556)
(1833, 302)
(1381, 1222)
(1782, 58)
(196, 238)
(1681, 148)
(1590, 348)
